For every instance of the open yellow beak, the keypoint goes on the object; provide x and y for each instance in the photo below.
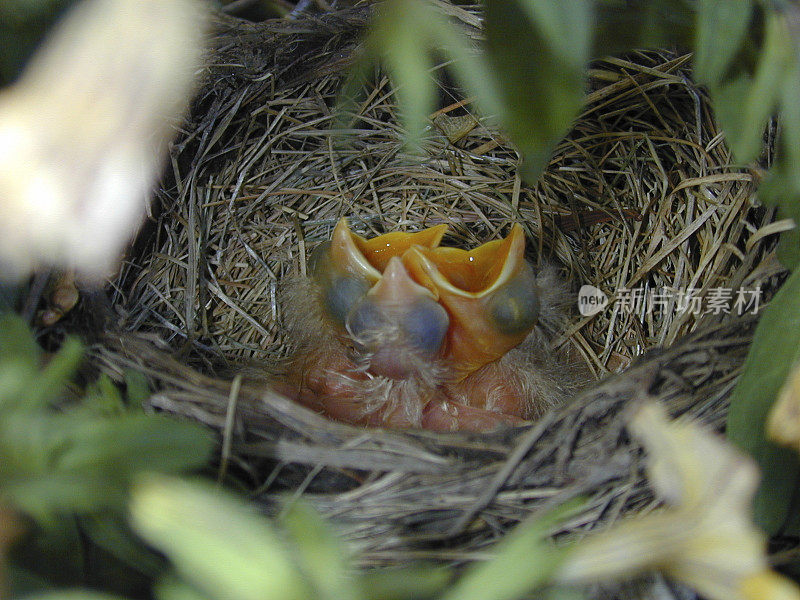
(369, 257)
(486, 298)
(489, 294)
(349, 265)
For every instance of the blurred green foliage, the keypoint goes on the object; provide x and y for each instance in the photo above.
(510, 574)
(530, 74)
(217, 544)
(72, 468)
(68, 464)
(541, 80)
(776, 347)
(747, 56)
(623, 25)
(410, 38)
(222, 549)
(60, 456)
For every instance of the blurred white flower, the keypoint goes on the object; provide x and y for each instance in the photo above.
(705, 536)
(84, 131)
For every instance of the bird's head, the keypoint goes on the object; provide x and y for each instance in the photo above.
(406, 303)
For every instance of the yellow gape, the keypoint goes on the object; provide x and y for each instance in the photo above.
(421, 327)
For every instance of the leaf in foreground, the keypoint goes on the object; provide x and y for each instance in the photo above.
(323, 559)
(775, 348)
(412, 39)
(720, 29)
(542, 91)
(215, 541)
(524, 561)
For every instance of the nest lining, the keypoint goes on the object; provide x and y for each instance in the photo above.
(260, 181)
(404, 496)
(641, 192)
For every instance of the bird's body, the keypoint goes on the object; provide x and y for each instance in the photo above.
(398, 331)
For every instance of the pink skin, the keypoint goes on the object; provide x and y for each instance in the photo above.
(451, 407)
(488, 399)
(327, 380)
(452, 416)
(433, 340)
(496, 388)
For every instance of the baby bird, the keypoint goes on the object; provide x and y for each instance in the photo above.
(398, 331)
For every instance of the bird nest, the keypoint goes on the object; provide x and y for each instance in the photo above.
(641, 197)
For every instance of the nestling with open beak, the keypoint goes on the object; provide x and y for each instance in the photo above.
(401, 332)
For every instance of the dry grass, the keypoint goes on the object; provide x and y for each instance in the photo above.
(261, 179)
(642, 192)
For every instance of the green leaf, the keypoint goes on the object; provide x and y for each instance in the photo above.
(16, 340)
(728, 98)
(322, 556)
(790, 119)
(44, 497)
(470, 68)
(19, 360)
(778, 189)
(215, 541)
(720, 29)
(566, 26)
(788, 251)
(137, 389)
(564, 593)
(775, 348)
(541, 92)
(134, 443)
(781, 187)
(113, 534)
(411, 582)
(172, 588)
(352, 92)
(622, 26)
(407, 36)
(51, 381)
(399, 36)
(525, 560)
(103, 397)
(56, 463)
(22, 383)
(745, 104)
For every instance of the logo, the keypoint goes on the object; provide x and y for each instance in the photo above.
(591, 300)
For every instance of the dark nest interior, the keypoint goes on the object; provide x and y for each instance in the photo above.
(641, 194)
